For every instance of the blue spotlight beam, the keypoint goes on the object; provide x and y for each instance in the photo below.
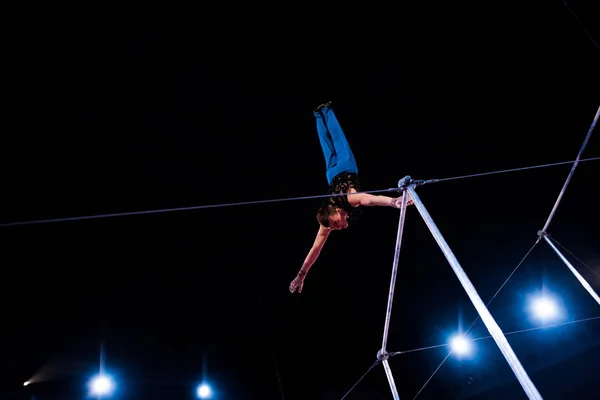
(487, 318)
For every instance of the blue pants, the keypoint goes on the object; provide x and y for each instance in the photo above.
(338, 156)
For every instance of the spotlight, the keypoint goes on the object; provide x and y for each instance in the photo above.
(461, 345)
(101, 385)
(545, 308)
(204, 391)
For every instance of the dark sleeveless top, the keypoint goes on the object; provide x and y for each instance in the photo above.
(342, 183)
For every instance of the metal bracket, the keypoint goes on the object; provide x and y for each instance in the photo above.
(403, 183)
(382, 355)
(407, 181)
(541, 234)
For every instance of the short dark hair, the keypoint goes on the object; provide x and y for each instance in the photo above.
(323, 214)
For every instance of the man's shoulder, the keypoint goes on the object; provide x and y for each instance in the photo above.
(323, 232)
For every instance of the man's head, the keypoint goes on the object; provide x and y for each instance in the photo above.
(332, 217)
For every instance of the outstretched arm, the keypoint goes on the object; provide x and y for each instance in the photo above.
(370, 200)
(310, 259)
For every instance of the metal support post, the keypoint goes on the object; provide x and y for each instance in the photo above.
(388, 313)
(562, 192)
(383, 353)
(486, 317)
(390, 377)
(580, 278)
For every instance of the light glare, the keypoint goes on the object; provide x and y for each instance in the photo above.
(101, 385)
(544, 308)
(460, 345)
(204, 391)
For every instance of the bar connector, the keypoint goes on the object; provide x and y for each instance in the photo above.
(407, 181)
(541, 235)
(404, 183)
(382, 355)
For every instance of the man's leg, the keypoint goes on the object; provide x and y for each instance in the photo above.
(327, 144)
(344, 159)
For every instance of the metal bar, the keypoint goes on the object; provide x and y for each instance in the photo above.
(486, 317)
(574, 271)
(388, 314)
(562, 192)
(390, 377)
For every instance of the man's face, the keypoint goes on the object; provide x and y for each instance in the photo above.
(338, 220)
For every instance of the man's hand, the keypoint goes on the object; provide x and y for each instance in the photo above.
(297, 283)
(398, 202)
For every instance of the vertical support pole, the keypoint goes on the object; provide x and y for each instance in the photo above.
(388, 313)
(573, 270)
(486, 317)
(383, 353)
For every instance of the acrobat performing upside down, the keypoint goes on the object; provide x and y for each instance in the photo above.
(342, 176)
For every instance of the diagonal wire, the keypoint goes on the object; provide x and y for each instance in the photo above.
(191, 208)
(476, 319)
(437, 346)
(432, 375)
(482, 338)
(544, 327)
(505, 282)
(581, 24)
(360, 379)
(574, 256)
(201, 207)
(509, 170)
